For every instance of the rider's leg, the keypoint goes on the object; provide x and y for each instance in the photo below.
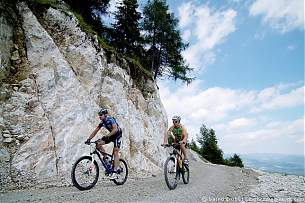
(100, 144)
(116, 158)
(183, 149)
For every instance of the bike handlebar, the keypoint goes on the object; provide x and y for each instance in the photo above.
(89, 143)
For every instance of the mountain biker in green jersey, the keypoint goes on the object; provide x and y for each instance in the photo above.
(177, 134)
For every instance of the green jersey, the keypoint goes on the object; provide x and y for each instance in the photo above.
(177, 132)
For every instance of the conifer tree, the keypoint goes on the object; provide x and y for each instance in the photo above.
(209, 148)
(164, 42)
(127, 38)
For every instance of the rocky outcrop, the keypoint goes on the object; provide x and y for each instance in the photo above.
(48, 114)
(275, 187)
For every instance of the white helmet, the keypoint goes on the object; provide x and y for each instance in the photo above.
(176, 118)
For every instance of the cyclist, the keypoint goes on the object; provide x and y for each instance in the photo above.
(115, 136)
(177, 134)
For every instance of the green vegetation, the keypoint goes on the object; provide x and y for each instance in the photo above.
(163, 38)
(208, 149)
(126, 37)
(47, 3)
(137, 64)
(155, 54)
(235, 160)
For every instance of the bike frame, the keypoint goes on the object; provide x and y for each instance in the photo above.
(176, 154)
(94, 151)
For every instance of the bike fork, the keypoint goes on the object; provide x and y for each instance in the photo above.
(175, 168)
(91, 163)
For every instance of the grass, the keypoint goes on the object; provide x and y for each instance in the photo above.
(135, 63)
(52, 3)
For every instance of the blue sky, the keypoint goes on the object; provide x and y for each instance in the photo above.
(249, 67)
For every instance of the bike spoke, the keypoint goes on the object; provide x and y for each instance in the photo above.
(122, 173)
(85, 173)
(171, 173)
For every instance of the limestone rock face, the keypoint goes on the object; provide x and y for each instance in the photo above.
(46, 117)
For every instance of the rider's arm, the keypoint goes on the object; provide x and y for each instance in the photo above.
(94, 132)
(168, 133)
(184, 135)
(114, 130)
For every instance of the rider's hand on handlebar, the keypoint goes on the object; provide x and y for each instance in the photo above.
(87, 142)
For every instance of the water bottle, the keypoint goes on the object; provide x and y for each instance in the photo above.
(107, 161)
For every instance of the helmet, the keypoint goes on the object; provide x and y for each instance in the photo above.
(103, 112)
(176, 118)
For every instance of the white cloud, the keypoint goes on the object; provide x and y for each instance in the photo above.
(209, 105)
(291, 47)
(113, 5)
(283, 15)
(214, 104)
(242, 122)
(185, 12)
(235, 113)
(274, 98)
(302, 140)
(210, 28)
(186, 35)
(275, 136)
(213, 27)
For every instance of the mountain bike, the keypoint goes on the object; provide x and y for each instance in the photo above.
(174, 167)
(85, 171)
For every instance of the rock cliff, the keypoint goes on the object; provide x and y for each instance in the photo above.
(55, 79)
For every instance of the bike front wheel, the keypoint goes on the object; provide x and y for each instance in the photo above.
(185, 174)
(85, 173)
(171, 173)
(122, 173)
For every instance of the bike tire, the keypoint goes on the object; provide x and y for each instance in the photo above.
(185, 174)
(75, 177)
(171, 184)
(122, 165)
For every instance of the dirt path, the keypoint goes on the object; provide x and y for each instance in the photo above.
(207, 184)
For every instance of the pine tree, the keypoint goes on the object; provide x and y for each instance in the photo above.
(193, 146)
(236, 161)
(209, 148)
(127, 38)
(91, 11)
(164, 41)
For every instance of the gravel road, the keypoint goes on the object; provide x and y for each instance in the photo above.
(208, 183)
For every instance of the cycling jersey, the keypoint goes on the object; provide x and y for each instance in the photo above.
(108, 123)
(116, 138)
(177, 132)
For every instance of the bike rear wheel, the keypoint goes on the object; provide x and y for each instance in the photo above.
(85, 173)
(171, 173)
(122, 173)
(185, 174)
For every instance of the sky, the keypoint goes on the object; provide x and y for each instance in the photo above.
(248, 60)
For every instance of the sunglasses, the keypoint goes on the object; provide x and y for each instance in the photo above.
(175, 121)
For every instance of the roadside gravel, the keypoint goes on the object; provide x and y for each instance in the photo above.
(208, 183)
